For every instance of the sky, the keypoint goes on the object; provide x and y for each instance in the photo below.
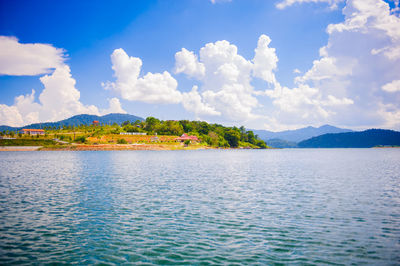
(274, 65)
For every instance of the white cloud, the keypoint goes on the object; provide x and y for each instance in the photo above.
(296, 71)
(226, 77)
(347, 86)
(31, 59)
(114, 107)
(9, 115)
(265, 60)
(328, 68)
(393, 86)
(286, 3)
(58, 100)
(192, 102)
(151, 88)
(186, 62)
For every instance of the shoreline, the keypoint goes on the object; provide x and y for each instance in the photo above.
(122, 147)
(112, 147)
(20, 148)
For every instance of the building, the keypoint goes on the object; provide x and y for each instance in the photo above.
(185, 137)
(95, 123)
(32, 131)
(133, 133)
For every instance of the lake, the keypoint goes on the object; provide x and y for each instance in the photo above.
(299, 206)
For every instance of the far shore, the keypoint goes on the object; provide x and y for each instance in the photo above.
(105, 147)
(20, 148)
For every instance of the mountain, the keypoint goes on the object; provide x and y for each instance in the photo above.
(280, 143)
(364, 139)
(300, 134)
(81, 119)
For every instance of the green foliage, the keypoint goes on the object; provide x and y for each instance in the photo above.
(27, 142)
(80, 139)
(214, 135)
(122, 141)
(116, 130)
(233, 137)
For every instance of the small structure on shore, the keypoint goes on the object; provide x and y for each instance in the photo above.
(95, 123)
(185, 137)
(133, 133)
(32, 131)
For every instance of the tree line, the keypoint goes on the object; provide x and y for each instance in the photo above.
(215, 135)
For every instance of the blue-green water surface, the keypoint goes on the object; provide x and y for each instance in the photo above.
(301, 206)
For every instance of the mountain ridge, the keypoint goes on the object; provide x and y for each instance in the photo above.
(362, 139)
(300, 134)
(77, 120)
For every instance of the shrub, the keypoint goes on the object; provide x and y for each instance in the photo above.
(80, 139)
(122, 141)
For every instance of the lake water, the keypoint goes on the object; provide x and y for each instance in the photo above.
(304, 206)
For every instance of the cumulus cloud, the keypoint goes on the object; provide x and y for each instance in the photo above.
(393, 86)
(355, 81)
(265, 60)
(151, 88)
(226, 76)
(18, 59)
(187, 62)
(193, 102)
(59, 99)
(114, 107)
(286, 3)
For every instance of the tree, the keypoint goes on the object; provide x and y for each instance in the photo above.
(233, 137)
(122, 141)
(250, 137)
(152, 123)
(213, 138)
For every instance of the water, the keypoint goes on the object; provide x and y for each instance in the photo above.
(302, 206)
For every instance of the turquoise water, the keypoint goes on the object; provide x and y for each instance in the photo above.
(301, 206)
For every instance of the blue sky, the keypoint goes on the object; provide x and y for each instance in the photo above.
(89, 32)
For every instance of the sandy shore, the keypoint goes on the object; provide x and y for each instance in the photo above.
(20, 148)
(120, 147)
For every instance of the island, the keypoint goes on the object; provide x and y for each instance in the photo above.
(142, 134)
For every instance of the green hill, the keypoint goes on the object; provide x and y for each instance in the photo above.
(79, 120)
(364, 139)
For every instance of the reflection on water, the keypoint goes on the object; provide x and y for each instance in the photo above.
(213, 206)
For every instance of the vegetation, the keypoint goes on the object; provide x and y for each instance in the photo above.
(211, 135)
(280, 143)
(27, 142)
(122, 141)
(365, 139)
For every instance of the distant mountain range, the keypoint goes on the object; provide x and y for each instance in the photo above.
(81, 119)
(364, 139)
(298, 135)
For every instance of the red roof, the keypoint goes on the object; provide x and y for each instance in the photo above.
(95, 122)
(186, 137)
(37, 130)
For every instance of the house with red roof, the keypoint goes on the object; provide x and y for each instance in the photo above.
(185, 137)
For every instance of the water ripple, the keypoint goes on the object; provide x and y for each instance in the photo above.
(338, 206)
